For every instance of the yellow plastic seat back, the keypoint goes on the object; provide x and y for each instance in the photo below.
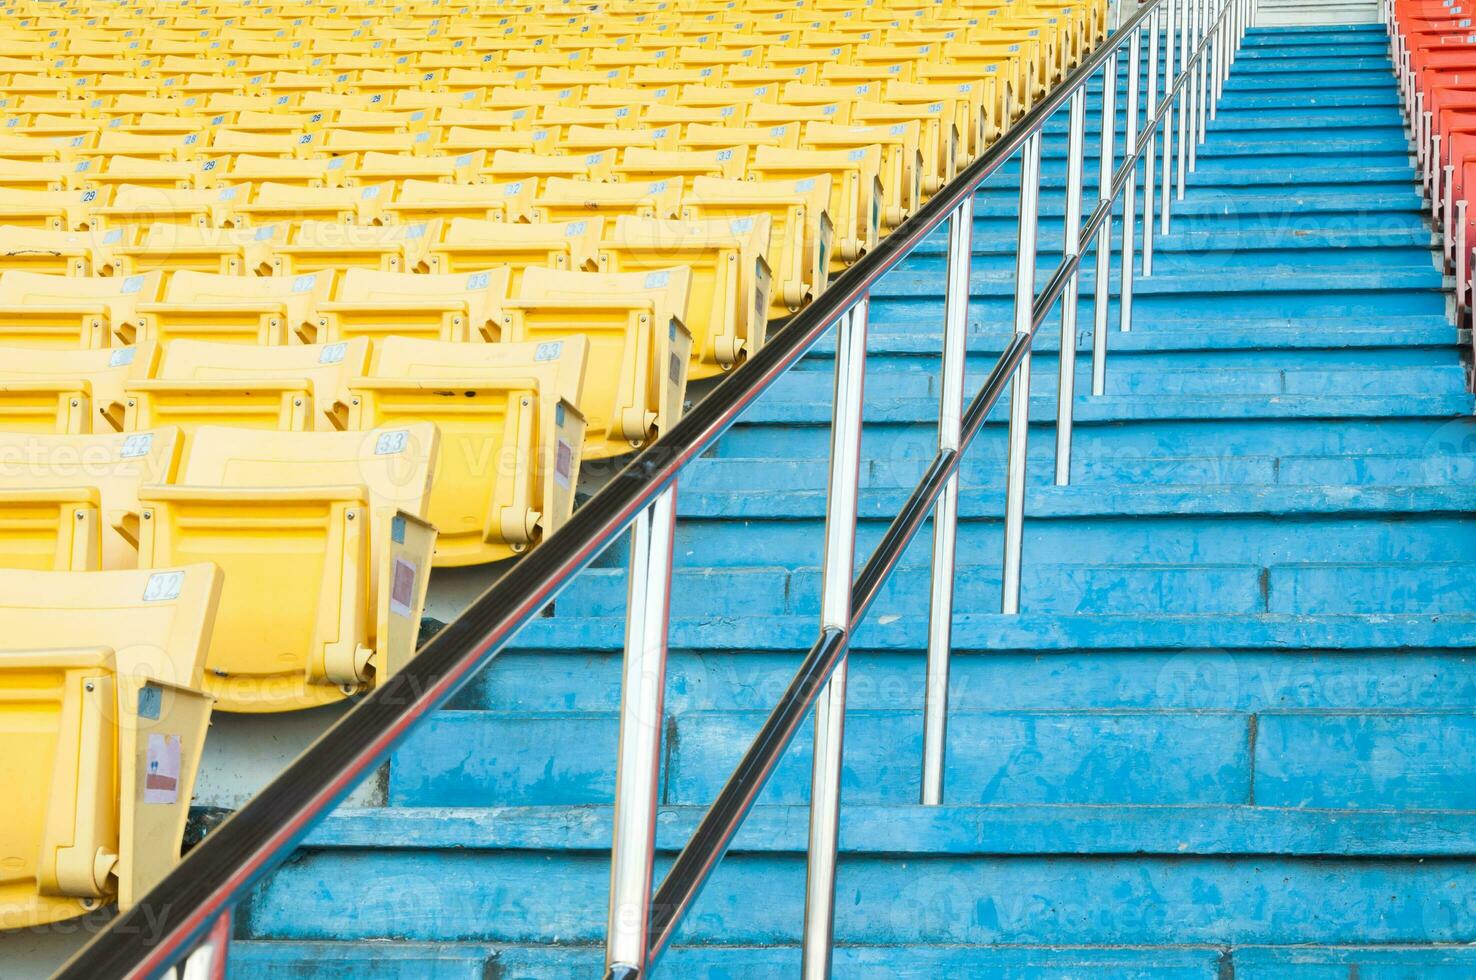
(302, 387)
(70, 502)
(325, 245)
(67, 392)
(454, 307)
(102, 725)
(472, 244)
(856, 192)
(58, 253)
(511, 435)
(800, 236)
(134, 204)
(423, 200)
(640, 347)
(563, 199)
(76, 312)
(235, 309)
(226, 251)
(731, 282)
(324, 552)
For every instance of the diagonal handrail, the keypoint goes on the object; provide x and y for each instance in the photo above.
(201, 892)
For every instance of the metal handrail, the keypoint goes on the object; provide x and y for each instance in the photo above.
(189, 910)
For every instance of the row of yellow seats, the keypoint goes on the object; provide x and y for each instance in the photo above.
(321, 596)
(633, 324)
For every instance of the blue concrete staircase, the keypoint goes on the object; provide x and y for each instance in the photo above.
(1232, 733)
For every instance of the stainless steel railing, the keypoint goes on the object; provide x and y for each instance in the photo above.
(186, 919)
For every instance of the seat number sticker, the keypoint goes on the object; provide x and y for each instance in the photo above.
(563, 464)
(161, 770)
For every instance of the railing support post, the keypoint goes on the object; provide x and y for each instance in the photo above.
(1103, 284)
(209, 959)
(638, 765)
(1014, 522)
(835, 614)
(945, 512)
(1168, 116)
(1150, 109)
(1186, 106)
(1071, 296)
(1130, 191)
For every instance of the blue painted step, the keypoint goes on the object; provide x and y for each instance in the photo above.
(1231, 733)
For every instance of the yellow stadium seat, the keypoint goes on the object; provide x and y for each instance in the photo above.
(63, 253)
(44, 390)
(55, 210)
(376, 305)
(640, 347)
(469, 245)
(701, 136)
(325, 245)
(38, 175)
(142, 172)
(680, 166)
(302, 387)
(728, 311)
(509, 165)
(39, 310)
(236, 309)
(801, 236)
(89, 482)
(563, 199)
(103, 723)
(381, 167)
(901, 161)
(250, 168)
(228, 251)
(977, 109)
(288, 202)
(937, 136)
(137, 205)
(511, 435)
(325, 593)
(424, 200)
(856, 192)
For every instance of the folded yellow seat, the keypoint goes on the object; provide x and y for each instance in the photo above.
(631, 98)
(564, 199)
(937, 141)
(801, 236)
(103, 723)
(155, 123)
(43, 125)
(1036, 48)
(17, 146)
(977, 109)
(131, 204)
(511, 435)
(52, 390)
(462, 307)
(39, 175)
(675, 118)
(424, 200)
(111, 142)
(385, 83)
(272, 201)
(484, 139)
(63, 253)
(703, 136)
(233, 142)
(583, 139)
(469, 245)
(561, 118)
(241, 127)
(247, 169)
(325, 553)
(378, 120)
(174, 248)
(856, 195)
(99, 171)
(71, 312)
(315, 246)
(70, 502)
(901, 161)
(509, 165)
(477, 117)
(721, 95)
(55, 210)
(460, 81)
(302, 387)
(235, 309)
(640, 346)
(999, 66)
(727, 312)
(375, 168)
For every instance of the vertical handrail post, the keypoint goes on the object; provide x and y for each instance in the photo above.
(1168, 115)
(945, 512)
(209, 960)
(1130, 191)
(1071, 295)
(1186, 107)
(1150, 156)
(1014, 523)
(1103, 292)
(835, 614)
(638, 765)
